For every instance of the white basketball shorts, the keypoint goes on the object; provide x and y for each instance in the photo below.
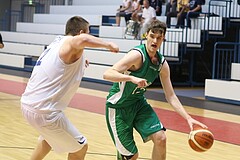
(56, 129)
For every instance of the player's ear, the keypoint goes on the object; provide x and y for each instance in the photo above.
(81, 31)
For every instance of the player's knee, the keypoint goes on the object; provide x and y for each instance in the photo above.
(160, 139)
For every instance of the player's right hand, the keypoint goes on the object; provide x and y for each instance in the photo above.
(140, 82)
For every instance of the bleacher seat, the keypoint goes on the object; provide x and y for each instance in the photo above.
(29, 38)
(57, 29)
(222, 91)
(15, 54)
(94, 19)
(10, 60)
(87, 9)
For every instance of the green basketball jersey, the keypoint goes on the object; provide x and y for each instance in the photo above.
(123, 94)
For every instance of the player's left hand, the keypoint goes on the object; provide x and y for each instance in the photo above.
(192, 122)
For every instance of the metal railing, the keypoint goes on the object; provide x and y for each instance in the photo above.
(221, 8)
(215, 22)
(225, 53)
(173, 48)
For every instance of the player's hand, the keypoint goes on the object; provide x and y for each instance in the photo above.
(113, 47)
(140, 82)
(192, 122)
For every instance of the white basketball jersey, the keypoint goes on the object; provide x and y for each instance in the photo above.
(53, 83)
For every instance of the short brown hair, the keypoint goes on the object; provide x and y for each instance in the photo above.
(157, 26)
(75, 25)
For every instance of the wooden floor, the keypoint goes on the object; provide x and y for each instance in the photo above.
(18, 139)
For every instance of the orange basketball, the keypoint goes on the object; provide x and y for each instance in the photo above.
(200, 139)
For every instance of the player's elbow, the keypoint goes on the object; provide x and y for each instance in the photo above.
(106, 75)
(109, 75)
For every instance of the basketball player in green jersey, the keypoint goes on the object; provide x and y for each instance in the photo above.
(126, 106)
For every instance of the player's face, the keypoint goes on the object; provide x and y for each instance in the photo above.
(154, 41)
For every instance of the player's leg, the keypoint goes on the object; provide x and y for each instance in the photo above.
(73, 141)
(76, 139)
(79, 155)
(120, 126)
(159, 145)
(63, 136)
(41, 150)
(150, 128)
(35, 119)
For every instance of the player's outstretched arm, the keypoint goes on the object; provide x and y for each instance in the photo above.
(85, 40)
(173, 99)
(73, 47)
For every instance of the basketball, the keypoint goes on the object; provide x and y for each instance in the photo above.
(200, 139)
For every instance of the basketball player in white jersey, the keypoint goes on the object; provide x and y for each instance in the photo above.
(54, 80)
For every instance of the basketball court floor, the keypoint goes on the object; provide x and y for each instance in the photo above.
(86, 111)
